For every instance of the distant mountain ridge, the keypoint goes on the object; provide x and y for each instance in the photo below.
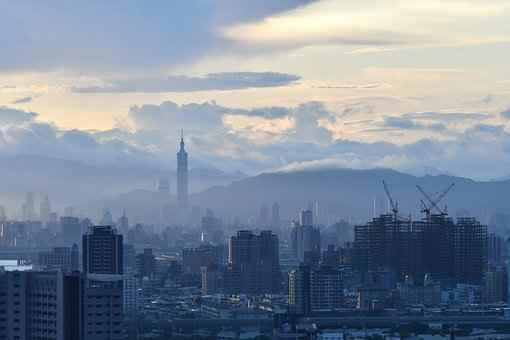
(350, 193)
(70, 182)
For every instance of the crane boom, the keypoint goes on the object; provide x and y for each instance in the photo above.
(394, 205)
(431, 201)
(435, 203)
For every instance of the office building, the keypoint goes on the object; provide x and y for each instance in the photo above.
(28, 208)
(305, 240)
(45, 210)
(146, 263)
(470, 245)
(123, 224)
(193, 259)
(253, 264)
(211, 279)
(102, 251)
(63, 258)
(275, 215)
(299, 290)
(40, 305)
(130, 293)
(326, 289)
(495, 285)
(182, 176)
(103, 284)
(71, 229)
(496, 249)
(3, 214)
(315, 290)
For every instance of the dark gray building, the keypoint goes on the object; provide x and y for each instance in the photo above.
(103, 284)
(253, 264)
(64, 258)
(40, 305)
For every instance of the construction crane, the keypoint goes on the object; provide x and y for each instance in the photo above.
(434, 203)
(394, 204)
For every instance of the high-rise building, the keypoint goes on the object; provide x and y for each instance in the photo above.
(451, 252)
(146, 263)
(71, 229)
(305, 240)
(182, 175)
(3, 214)
(28, 208)
(123, 223)
(315, 289)
(193, 259)
(104, 283)
(40, 305)
(211, 279)
(470, 245)
(102, 251)
(496, 249)
(495, 285)
(45, 210)
(299, 290)
(107, 218)
(326, 289)
(275, 215)
(253, 264)
(64, 258)
(130, 293)
(163, 186)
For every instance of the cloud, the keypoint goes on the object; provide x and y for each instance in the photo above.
(372, 26)
(448, 117)
(211, 82)
(261, 139)
(124, 35)
(506, 113)
(23, 100)
(353, 86)
(405, 123)
(10, 116)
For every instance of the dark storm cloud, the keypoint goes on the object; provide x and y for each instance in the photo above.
(214, 81)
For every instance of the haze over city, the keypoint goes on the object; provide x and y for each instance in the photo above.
(265, 169)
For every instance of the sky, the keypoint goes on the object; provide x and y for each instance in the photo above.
(417, 86)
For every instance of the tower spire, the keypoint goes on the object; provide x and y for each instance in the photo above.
(182, 139)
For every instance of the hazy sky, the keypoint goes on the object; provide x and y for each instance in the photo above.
(260, 85)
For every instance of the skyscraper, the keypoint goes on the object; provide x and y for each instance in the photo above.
(102, 251)
(103, 288)
(40, 305)
(45, 210)
(182, 175)
(28, 208)
(306, 245)
(254, 264)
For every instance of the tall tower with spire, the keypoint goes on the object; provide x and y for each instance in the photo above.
(182, 175)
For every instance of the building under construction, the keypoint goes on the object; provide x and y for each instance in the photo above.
(452, 252)
(389, 242)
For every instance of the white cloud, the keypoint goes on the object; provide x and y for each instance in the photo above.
(375, 26)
